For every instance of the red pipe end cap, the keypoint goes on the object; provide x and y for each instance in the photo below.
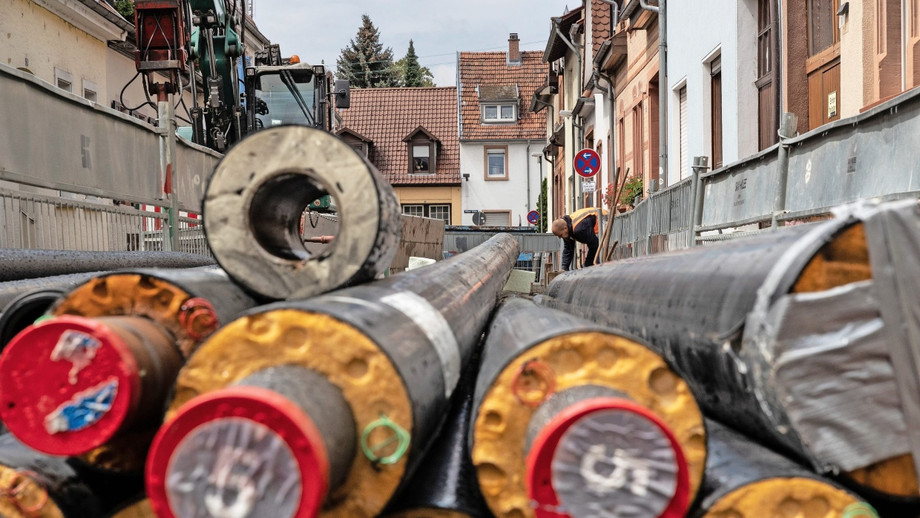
(67, 385)
(238, 451)
(604, 455)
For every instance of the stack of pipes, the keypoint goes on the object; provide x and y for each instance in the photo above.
(804, 339)
(299, 380)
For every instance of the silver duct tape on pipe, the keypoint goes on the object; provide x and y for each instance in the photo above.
(732, 320)
(258, 194)
(394, 348)
(18, 264)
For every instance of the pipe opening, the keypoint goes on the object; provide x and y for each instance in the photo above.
(292, 217)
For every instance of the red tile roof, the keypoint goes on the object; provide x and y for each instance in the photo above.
(600, 24)
(386, 116)
(491, 70)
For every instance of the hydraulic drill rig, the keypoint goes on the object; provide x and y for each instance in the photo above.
(178, 39)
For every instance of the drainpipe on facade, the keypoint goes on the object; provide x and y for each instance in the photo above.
(661, 9)
(578, 78)
(787, 125)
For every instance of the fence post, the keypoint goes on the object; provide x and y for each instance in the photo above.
(166, 123)
(700, 164)
(786, 130)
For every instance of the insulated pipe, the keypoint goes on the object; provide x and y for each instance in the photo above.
(258, 193)
(93, 379)
(715, 311)
(23, 311)
(11, 290)
(394, 348)
(18, 264)
(35, 485)
(284, 427)
(746, 480)
(445, 484)
(557, 398)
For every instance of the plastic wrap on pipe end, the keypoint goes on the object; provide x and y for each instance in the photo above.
(607, 457)
(239, 451)
(67, 385)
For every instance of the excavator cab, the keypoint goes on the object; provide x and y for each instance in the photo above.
(290, 94)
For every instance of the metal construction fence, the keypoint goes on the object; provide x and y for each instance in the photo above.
(874, 155)
(93, 181)
(538, 252)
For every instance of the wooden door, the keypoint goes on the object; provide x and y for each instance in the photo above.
(824, 94)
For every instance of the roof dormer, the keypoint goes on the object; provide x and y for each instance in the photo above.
(423, 149)
(499, 103)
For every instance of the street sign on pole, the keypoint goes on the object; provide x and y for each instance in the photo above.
(587, 163)
(533, 217)
(588, 185)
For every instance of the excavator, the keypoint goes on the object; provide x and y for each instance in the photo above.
(178, 39)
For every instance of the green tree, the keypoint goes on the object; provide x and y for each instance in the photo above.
(411, 72)
(364, 62)
(125, 8)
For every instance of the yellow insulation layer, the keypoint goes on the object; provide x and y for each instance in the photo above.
(575, 359)
(792, 497)
(338, 351)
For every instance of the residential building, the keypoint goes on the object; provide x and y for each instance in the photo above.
(499, 135)
(410, 135)
(874, 45)
(563, 55)
(722, 95)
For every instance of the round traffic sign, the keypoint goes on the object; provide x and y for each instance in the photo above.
(587, 163)
(533, 217)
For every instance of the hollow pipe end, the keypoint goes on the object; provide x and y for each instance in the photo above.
(604, 452)
(243, 449)
(67, 385)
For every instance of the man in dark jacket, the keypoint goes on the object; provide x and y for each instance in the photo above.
(580, 226)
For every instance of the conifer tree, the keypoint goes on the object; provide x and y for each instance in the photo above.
(411, 72)
(365, 62)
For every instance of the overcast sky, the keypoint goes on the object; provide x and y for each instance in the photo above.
(319, 30)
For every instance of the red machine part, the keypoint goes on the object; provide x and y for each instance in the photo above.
(161, 43)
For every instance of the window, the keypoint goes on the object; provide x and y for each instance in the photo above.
(421, 156)
(497, 218)
(89, 90)
(496, 163)
(441, 212)
(716, 112)
(684, 150)
(499, 113)
(822, 26)
(767, 102)
(414, 210)
(63, 80)
(425, 210)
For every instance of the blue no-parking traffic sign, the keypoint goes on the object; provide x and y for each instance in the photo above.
(533, 217)
(587, 163)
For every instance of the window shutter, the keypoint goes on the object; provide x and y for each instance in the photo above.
(498, 219)
(684, 158)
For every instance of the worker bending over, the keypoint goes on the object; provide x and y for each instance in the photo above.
(580, 226)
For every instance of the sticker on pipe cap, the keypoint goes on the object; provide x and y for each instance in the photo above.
(607, 457)
(235, 453)
(67, 385)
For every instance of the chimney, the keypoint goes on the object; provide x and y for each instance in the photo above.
(514, 49)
